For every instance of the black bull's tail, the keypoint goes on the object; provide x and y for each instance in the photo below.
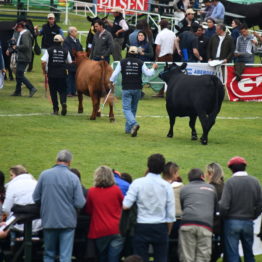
(219, 96)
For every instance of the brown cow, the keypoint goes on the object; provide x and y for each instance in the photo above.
(92, 79)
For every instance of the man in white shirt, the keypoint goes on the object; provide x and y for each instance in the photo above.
(221, 45)
(155, 210)
(165, 45)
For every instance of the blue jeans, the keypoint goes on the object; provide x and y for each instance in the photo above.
(130, 99)
(58, 239)
(109, 248)
(235, 231)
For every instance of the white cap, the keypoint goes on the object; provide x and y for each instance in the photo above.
(51, 15)
(58, 38)
(133, 50)
(190, 11)
(116, 9)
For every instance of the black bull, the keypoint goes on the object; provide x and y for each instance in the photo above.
(193, 96)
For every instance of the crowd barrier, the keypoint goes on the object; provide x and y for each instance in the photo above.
(249, 88)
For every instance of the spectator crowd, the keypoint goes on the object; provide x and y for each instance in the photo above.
(157, 215)
(199, 36)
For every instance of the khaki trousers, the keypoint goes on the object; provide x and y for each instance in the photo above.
(195, 244)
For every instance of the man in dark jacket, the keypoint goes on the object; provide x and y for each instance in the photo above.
(221, 46)
(119, 27)
(72, 44)
(240, 204)
(23, 48)
(131, 69)
(202, 43)
(48, 31)
(102, 45)
(54, 65)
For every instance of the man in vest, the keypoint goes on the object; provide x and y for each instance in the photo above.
(131, 69)
(119, 26)
(48, 31)
(54, 65)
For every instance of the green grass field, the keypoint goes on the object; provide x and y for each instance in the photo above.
(33, 140)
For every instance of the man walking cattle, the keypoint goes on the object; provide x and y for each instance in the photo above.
(131, 69)
(54, 65)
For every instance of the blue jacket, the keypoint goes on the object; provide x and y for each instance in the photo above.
(60, 193)
(122, 184)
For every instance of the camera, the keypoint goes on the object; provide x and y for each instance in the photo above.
(11, 43)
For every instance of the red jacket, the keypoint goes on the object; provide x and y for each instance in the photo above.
(104, 205)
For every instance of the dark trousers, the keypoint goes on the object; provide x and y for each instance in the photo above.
(154, 234)
(57, 85)
(31, 64)
(106, 58)
(71, 85)
(20, 77)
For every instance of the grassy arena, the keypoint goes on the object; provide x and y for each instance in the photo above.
(30, 136)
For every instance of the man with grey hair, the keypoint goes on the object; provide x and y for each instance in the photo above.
(221, 45)
(72, 44)
(59, 193)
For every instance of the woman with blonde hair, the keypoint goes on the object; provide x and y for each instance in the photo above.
(104, 205)
(215, 177)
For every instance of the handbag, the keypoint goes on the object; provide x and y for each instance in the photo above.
(13, 59)
(37, 49)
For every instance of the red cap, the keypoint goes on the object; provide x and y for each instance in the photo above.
(20, 24)
(236, 160)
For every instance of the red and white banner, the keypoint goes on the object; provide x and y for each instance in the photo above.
(250, 86)
(107, 5)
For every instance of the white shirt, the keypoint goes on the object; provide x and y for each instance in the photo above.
(123, 24)
(221, 39)
(20, 191)
(19, 37)
(240, 173)
(45, 58)
(166, 40)
(154, 198)
(145, 70)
